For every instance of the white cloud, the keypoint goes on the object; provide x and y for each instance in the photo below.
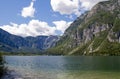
(28, 11)
(33, 28)
(61, 25)
(36, 28)
(66, 6)
(69, 7)
(88, 4)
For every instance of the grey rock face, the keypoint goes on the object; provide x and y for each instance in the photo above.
(114, 36)
(50, 41)
(119, 2)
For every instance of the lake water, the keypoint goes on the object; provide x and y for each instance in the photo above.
(64, 67)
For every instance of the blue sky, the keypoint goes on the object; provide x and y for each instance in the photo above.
(11, 12)
(41, 17)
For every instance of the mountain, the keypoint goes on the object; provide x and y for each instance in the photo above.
(96, 32)
(13, 43)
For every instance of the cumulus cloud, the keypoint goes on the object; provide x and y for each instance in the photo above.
(36, 28)
(69, 7)
(28, 11)
(33, 28)
(88, 4)
(61, 25)
(66, 6)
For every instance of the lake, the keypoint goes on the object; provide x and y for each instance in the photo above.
(64, 67)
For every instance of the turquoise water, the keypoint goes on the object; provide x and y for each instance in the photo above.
(65, 67)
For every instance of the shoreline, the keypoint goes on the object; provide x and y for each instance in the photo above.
(12, 74)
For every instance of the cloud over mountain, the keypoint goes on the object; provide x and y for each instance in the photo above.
(41, 24)
(36, 28)
(69, 7)
(88, 4)
(61, 25)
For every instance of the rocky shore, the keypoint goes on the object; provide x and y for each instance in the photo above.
(11, 74)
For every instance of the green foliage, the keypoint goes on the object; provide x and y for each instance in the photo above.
(105, 17)
(76, 23)
(101, 16)
(24, 53)
(109, 48)
(99, 39)
(62, 46)
(116, 25)
(81, 49)
(55, 51)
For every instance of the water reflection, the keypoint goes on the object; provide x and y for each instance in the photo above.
(92, 63)
(57, 67)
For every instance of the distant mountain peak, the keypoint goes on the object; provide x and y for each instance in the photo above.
(13, 43)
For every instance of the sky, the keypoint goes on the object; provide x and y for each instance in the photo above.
(41, 17)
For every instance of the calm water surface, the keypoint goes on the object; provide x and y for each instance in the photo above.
(65, 67)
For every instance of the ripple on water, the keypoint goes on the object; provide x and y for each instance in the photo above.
(44, 67)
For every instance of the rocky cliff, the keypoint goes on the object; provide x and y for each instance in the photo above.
(96, 32)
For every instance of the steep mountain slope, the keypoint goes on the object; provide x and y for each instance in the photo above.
(13, 43)
(96, 32)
